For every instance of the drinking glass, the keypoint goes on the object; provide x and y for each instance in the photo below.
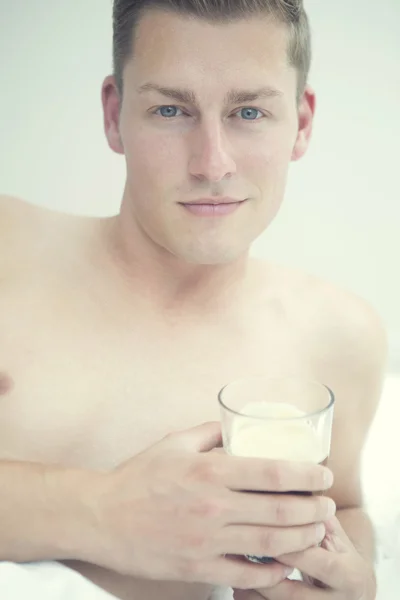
(277, 418)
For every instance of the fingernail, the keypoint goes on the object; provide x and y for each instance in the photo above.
(320, 532)
(328, 478)
(288, 571)
(330, 525)
(331, 508)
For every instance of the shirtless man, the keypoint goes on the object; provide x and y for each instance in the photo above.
(116, 334)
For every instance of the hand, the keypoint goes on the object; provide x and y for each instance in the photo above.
(336, 569)
(177, 512)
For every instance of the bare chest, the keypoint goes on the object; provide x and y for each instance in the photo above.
(79, 389)
(83, 392)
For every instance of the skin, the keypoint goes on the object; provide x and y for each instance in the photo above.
(209, 148)
(92, 309)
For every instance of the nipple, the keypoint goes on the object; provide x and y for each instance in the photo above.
(6, 383)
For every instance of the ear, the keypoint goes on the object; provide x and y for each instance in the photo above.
(111, 110)
(306, 113)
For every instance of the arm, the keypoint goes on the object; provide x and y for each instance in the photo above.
(45, 512)
(356, 375)
(43, 509)
(358, 527)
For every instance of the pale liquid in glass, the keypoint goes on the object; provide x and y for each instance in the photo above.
(279, 432)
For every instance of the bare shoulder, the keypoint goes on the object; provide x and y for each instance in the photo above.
(349, 324)
(339, 326)
(17, 224)
(29, 233)
(17, 218)
(14, 212)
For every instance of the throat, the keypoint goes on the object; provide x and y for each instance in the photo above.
(169, 285)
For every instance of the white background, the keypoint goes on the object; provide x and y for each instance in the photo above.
(341, 218)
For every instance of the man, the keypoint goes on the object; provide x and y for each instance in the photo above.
(118, 333)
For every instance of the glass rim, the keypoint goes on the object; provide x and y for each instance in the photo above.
(308, 415)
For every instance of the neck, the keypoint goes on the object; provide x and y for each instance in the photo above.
(167, 283)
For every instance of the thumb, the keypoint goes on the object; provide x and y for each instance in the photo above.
(336, 539)
(201, 438)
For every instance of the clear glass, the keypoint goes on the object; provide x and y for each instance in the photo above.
(286, 418)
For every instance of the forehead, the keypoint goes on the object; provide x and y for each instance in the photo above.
(210, 56)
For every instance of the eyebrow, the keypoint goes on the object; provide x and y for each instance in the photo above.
(232, 97)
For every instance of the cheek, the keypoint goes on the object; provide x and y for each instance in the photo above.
(268, 158)
(152, 156)
(264, 167)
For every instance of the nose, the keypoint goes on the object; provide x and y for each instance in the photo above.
(210, 157)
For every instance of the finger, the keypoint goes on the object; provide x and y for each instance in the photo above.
(313, 582)
(201, 438)
(337, 535)
(333, 543)
(268, 541)
(288, 590)
(280, 509)
(263, 475)
(239, 573)
(320, 564)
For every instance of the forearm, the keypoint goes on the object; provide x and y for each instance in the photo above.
(358, 527)
(45, 512)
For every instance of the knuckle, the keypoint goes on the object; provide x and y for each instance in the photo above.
(209, 508)
(273, 474)
(281, 512)
(267, 541)
(204, 471)
(196, 543)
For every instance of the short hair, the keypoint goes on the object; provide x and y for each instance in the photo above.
(127, 14)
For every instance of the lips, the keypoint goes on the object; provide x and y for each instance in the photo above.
(212, 209)
(216, 200)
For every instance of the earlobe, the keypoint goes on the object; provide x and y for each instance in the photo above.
(111, 111)
(305, 120)
(300, 147)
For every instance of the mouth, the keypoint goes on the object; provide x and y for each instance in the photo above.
(212, 208)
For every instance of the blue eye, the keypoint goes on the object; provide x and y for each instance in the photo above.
(250, 114)
(168, 112)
